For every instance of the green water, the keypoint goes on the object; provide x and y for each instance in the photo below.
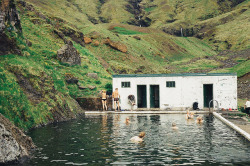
(105, 140)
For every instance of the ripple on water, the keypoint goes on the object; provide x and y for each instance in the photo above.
(71, 163)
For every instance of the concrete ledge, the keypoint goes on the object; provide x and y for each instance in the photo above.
(236, 128)
(143, 112)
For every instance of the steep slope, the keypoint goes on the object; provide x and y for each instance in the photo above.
(37, 88)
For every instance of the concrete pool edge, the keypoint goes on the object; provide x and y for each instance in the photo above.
(143, 112)
(233, 126)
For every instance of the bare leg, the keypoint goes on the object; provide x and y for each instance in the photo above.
(118, 105)
(115, 105)
(105, 104)
(102, 105)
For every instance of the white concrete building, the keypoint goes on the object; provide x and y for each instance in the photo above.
(177, 91)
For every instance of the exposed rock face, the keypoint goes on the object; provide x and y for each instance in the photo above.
(68, 54)
(10, 15)
(116, 45)
(9, 19)
(93, 104)
(243, 86)
(14, 144)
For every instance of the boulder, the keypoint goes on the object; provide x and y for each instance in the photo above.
(87, 40)
(70, 79)
(14, 144)
(94, 35)
(93, 75)
(116, 45)
(96, 43)
(9, 149)
(69, 54)
(91, 87)
(137, 37)
(80, 86)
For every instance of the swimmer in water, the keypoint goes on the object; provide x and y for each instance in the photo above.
(127, 121)
(138, 139)
(174, 127)
(199, 120)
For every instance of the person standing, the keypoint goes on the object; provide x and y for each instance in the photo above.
(116, 97)
(247, 107)
(104, 100)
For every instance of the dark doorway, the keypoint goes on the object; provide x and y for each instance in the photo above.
(142, 96)
(208, 94)
(154, 96)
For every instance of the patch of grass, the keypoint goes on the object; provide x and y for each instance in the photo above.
(222, 58)
(124, 31)
(241, 68)
(201, 65)
(149, 9)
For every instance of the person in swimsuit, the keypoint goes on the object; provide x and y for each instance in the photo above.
(104, 100)
(116, 97)
(189, 115)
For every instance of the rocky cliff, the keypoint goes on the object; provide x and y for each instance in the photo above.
(10, 23)
(14, 144)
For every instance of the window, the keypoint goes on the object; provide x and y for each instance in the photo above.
(125, 84)
(170, 84)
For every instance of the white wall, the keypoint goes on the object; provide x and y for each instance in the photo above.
(188, 89)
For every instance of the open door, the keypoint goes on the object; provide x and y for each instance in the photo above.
(208, 94)
(154, 96)
(142, 96)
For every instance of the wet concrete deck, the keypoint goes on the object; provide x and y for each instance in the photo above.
(144, 112)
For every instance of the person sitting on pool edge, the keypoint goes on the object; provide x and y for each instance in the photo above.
(199, 120)
(138, 139)
(174, 127)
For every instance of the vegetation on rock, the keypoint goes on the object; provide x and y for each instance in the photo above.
(35, 86)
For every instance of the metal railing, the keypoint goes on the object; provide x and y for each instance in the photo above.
(210, 103)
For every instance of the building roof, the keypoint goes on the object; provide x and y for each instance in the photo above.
(174, 75)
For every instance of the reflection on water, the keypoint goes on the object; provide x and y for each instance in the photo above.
(105, 140)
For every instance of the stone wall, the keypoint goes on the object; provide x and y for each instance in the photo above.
(93, 104)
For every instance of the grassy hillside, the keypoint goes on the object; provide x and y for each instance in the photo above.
(34, 89)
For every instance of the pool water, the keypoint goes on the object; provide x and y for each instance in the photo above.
(105, 140)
